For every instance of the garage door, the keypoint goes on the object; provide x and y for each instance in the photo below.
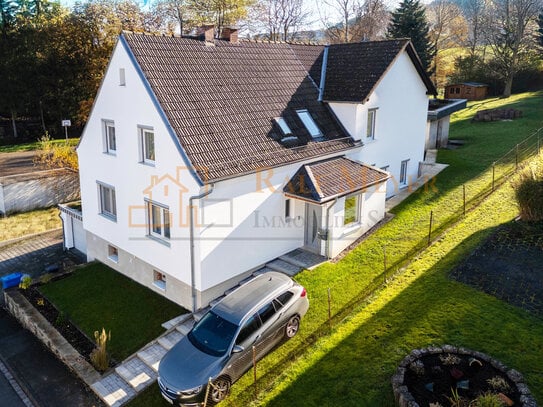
(80, 237)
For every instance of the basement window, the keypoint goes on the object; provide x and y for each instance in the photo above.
(309, 123)
(113, 253)
(159, 279)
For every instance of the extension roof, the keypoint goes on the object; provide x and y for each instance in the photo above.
(323, 181)
(220, 99)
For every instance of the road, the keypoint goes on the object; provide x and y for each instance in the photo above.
(17, 163)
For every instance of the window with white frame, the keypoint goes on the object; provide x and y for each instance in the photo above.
(370, 131)
(283, 126)
(309, 123)
(147, 145)
(159, 279)
(113, 253)
(351, 210)
(158, 220)
(108, 205)
(403, 172)
(110, 142)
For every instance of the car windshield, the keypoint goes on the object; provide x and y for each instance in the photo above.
(212, 334)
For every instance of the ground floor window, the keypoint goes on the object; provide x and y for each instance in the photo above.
(403, 172)
(159, 279)
(351, 210)
(158, 221)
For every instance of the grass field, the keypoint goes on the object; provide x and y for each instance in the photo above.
(97, 296)
(34, 146)
(353, 365)
(28, 223)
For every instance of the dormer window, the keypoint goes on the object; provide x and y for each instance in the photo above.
(283, 126)
(309, 123)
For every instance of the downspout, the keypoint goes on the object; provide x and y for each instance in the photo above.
(191, 237)
(63, 234)
(327, 249)
(323, 72)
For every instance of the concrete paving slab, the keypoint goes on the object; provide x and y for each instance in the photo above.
(284, 267)
(169, 340)
(152, 354)
(114, 390)
(136, 373)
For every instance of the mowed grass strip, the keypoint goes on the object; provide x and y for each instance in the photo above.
(28, 223)
(97, 297)
(35, 145)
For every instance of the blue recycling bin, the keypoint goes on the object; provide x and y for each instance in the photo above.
(11, 280)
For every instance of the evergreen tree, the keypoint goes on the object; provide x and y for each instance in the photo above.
(540, 31)
(409, 21)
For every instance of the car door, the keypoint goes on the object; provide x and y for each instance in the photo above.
(248, 335)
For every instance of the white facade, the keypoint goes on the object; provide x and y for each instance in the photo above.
(242, 222)
(401, 105)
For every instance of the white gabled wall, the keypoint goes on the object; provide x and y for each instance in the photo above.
(128, 107)
(400, 127)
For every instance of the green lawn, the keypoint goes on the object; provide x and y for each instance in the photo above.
(27, 223)
(97, 296)
(35, 145)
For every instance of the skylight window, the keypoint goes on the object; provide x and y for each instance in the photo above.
(283, 125)
(309, 123)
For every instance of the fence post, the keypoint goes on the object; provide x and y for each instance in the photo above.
(493, 175)
(464, 196)
(430, 229)
(329, 309)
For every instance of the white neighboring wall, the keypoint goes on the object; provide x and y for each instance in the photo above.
(129, 106)
(400, 127)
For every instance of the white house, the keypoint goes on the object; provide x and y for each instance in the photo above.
(204, 159)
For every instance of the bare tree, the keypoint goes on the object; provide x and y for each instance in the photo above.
(281, 19)
(510, 27)
(473, 11)
(341, 27)
(373, 20)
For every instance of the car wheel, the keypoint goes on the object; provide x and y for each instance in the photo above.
(292, 327)
(219, 390)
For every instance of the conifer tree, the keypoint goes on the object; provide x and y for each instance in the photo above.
(409, 21)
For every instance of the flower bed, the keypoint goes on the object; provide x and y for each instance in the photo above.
(450, 376)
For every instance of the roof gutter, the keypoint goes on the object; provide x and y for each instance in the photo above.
(191, 237)
(323, 72)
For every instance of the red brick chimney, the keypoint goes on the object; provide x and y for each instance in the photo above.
(207, 33)
(230, 34)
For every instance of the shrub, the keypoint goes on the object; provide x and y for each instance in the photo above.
(25, 282)
(53, 155)
(488, 400)
(529, 191)
(99, 356)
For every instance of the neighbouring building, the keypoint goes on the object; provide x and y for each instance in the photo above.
(203, 159)
(439, 120)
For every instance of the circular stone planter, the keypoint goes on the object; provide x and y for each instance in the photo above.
(430, 375)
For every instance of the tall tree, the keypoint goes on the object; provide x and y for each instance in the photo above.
(474, 11)
(540, 29)
(346, 11)
(409, 21)
(510, 27)
(372, 20)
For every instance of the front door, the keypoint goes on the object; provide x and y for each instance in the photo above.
(313, 216)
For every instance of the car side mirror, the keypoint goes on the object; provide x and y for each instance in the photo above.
(237, 349)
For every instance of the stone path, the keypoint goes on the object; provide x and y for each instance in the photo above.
(32, 255)
(140, 370)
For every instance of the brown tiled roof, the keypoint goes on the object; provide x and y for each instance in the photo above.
(353, 70)
(325, 180)
(221, 100)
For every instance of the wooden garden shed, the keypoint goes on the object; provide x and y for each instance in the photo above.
(466, 90)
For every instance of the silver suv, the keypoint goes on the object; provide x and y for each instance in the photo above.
(219, 348)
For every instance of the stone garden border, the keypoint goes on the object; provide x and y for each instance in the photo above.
(404, 398)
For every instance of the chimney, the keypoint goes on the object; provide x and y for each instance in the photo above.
(230, 34)
(207, 33)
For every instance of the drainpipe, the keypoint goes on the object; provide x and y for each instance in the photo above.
(63, 234)
(191, 234)
(327, 250)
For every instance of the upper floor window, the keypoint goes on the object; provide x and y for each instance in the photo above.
(158, 220)
(283, 126)
(370, 132)
(110, 141)
(108, 204)
(147, 145)
(122, 77)
(309, 123)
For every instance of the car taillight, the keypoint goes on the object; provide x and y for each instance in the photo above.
(304, 292)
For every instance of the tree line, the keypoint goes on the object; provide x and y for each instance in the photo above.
(52, 58)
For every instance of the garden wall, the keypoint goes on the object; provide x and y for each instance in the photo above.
(39, 189)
